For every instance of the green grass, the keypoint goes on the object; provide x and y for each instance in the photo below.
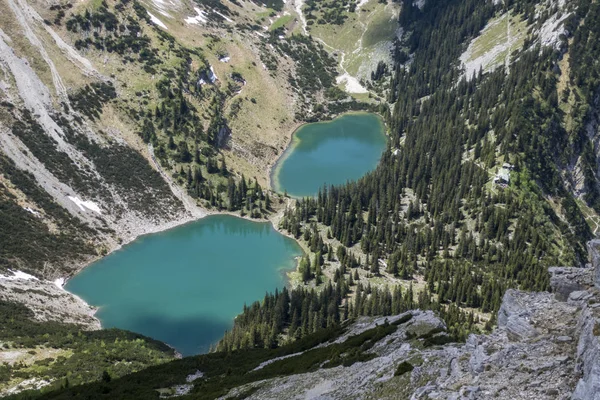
(283, 21)
(344, 38)
(381, 27)
(362, 37)
(267, 13)
(60, 352)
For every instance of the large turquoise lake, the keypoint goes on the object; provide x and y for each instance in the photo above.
(330, 153)
(184, 286)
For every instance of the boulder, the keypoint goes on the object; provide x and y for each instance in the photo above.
(514, 316)
(425, 323)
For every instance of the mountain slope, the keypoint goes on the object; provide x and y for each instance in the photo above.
(116, 124)
(121, 117)
(543, 348)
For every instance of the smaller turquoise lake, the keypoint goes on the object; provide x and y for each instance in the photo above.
(330, 153)
(185, 286)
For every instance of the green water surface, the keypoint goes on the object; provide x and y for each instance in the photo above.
(184, 286)
(330, 153)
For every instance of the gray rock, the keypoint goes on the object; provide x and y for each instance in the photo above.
(543, 348)
(594, 253)
(514, 316)
(564, 339)
(588, 357)
(478, 354)
(426, 324)
(580, 295)
(565, 280)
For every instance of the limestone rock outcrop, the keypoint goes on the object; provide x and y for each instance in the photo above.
(545, 347)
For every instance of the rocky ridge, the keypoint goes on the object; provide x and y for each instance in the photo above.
(545, 347)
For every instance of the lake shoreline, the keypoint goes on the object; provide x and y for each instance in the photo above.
(200, 213)
(194, 213)
(346, 123)
(273, 166)
(223, 263)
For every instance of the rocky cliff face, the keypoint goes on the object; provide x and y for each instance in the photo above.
(545, 347)
(588, 327)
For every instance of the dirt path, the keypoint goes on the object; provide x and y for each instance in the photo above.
(351, 82)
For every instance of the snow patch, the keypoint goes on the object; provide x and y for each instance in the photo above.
(419, 4)
(224, 17)
(157, 21)
(212, 76)
(351, 83)
(298, 7)
(360, 4)
(59, 282)
(225, 59)
(200, 17)
(85, 205)
(163, 6)
(32, 211)
(18, 275)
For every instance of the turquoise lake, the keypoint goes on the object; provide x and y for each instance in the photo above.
(330, 153)
(184, 286)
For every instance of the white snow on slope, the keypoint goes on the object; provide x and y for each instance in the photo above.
(85, 205)
(200, 18)
(419, 3)
(298, 7)
(164, 6)
(157, 21)
(32, 211)
(224, 17)
(360, 4)
(18, 275)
